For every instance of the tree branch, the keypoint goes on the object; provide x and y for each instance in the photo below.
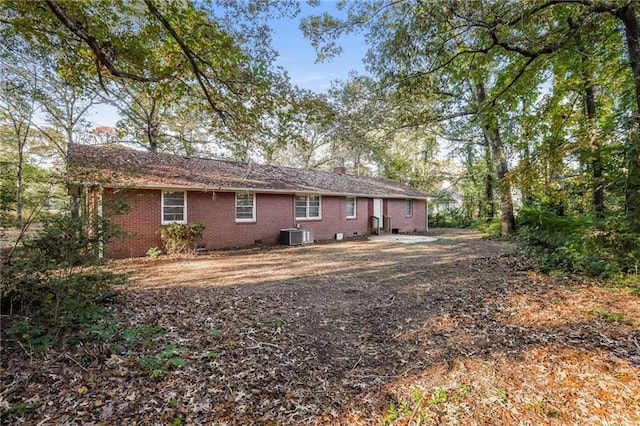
(517, 77)
(98, 48)
(203, 81)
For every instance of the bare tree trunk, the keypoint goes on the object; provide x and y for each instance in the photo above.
(630, 16)
(19, 203)
(491, 133)
(22, 136)
(490, 203)
(596, 157)
(489, 198)
(153, 128)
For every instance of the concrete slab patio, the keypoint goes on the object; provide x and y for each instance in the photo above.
(402, 239)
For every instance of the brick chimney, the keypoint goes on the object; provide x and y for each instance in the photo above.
(341, 170)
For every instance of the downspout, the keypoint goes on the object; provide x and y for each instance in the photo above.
(426, 215)
(100, 222)
(293, 207)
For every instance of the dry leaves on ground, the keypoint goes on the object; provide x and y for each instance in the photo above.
(451, 332)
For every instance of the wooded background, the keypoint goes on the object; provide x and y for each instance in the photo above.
(503, 106)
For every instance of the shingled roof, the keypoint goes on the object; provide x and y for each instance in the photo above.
(120, 167)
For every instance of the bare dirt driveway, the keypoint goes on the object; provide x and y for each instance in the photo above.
(452, 331)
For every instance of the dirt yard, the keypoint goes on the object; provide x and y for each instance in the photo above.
(455, 331)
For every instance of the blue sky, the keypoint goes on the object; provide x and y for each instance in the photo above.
(297, 56)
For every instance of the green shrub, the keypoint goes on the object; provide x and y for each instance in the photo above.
(154, 252)
(450, 218)
(491, 229)
(53, 285)
(181, 238)
(63, 242)
(579, 244)
(547, 237)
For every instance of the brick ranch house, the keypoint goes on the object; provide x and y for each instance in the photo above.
(240, 204)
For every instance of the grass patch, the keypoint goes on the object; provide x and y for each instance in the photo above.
(614, 317)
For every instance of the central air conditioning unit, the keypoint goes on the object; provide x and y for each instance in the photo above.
(307, 236)
(295, 236)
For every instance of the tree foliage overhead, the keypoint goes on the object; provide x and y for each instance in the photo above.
(551, 87)
(184, 76)
(179, 51)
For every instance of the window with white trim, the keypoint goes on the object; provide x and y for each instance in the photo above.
(174, 207)
(245, 207)
(351, 207)
(308, 207)
(408, 208)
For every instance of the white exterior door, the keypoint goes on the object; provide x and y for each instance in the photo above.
(377, 208)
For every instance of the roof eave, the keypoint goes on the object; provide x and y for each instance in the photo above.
(206, 188)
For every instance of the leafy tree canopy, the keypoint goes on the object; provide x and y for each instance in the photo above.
(182, 48)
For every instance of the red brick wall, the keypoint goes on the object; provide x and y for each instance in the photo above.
(216, 211)
(140, 221)
(217, 214)
(334, 219)
(395, 208)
